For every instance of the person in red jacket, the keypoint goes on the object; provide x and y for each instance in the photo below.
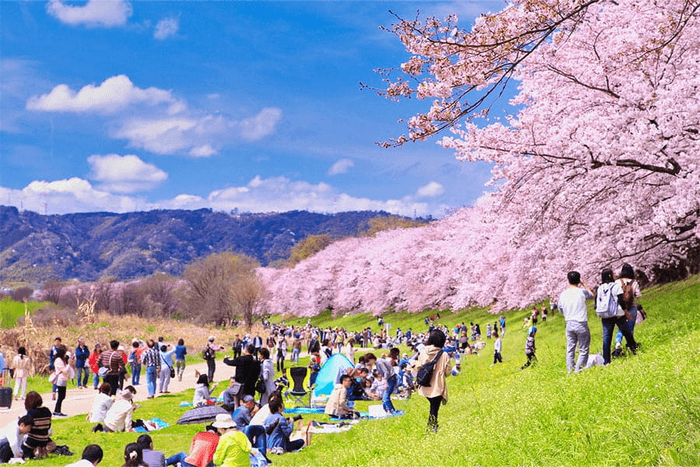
(94, 365)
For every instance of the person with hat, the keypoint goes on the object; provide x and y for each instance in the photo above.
(257, 434)
(82, 353)
(234, 448)
(119, 416)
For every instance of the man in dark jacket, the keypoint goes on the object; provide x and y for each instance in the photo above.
(247, 372)
(82, 353)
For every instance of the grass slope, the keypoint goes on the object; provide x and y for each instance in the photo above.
(640, 410)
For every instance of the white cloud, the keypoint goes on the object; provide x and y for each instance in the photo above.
(263, 124)
(202, 151)
(124, 174)
(113, 95)
(276, 194)
(341, 166)
(431, 190)
(95, 13)
(167, 27)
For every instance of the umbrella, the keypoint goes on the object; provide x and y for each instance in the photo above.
(204, 414)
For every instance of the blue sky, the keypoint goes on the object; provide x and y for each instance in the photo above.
(122, 106)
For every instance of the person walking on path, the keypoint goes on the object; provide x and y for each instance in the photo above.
(150, 358)
(180, 352)
(436, 393)
(21, 365)
(572, 304)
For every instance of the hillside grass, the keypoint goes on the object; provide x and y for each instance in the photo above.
(11, 311)
(641, 410)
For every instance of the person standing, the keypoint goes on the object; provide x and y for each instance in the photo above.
(281, 353)
(82, 353)
(497, 347)
(62, 371)
(113, 361)
(436, 393)
(166, 368)
(386, 370)
(247, 372)
(611, 286)
(21, 366)
(150, 358)
(627, 277)
(134, 361)
(210, 356)
(237, 346)
(180, 352)
(52, 358)
(94, 364)
(572, 304)
(267, 374)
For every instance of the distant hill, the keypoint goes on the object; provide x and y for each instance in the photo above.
(89, 246)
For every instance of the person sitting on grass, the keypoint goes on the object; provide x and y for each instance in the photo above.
(243, 415)
(201, 452)
(202, 392)
(278, 441)
(151, 457)
(92, 455)
(234, 448)
(12, 437)
(133, 456)
(118, 417)
(38, 436)
(101, 405)
(337, 405)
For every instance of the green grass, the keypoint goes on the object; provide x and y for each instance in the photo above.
(642, 410)
(11, 311)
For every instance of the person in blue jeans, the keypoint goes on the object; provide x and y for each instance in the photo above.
(135, 362)
(150, 358)
(82, 353)
(255, 433)
(387, 371)
(180, 352)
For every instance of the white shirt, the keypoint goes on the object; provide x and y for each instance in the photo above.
(100, 406)
(572, 304)
(13, 437)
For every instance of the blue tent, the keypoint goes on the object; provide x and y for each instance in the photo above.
(330, 374)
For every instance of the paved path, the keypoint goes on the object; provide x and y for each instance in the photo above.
(79, 401)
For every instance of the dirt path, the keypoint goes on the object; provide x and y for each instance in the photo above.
(79, 401)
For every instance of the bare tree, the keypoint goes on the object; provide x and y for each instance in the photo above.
(220, 288)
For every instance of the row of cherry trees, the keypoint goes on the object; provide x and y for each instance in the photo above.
(598, 164)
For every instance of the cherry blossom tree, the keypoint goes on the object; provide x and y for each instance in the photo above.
(597, 163)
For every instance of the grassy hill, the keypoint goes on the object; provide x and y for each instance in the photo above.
(641, 410)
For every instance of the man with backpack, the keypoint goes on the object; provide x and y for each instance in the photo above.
(572, 304)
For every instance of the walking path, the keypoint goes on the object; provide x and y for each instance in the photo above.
(79, 401)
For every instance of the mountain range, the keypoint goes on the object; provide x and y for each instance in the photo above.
(89, 246)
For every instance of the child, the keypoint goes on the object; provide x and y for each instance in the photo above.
(497, 346)
(530, 348)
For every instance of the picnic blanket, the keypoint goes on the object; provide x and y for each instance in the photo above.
(153, 424)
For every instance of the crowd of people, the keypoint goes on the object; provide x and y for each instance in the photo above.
(255, 423)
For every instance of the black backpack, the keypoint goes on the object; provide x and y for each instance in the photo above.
(425, 374)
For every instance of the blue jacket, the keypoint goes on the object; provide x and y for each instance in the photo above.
(81, 355)
(281, 433)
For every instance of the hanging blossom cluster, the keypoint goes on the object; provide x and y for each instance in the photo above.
(597, 165)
